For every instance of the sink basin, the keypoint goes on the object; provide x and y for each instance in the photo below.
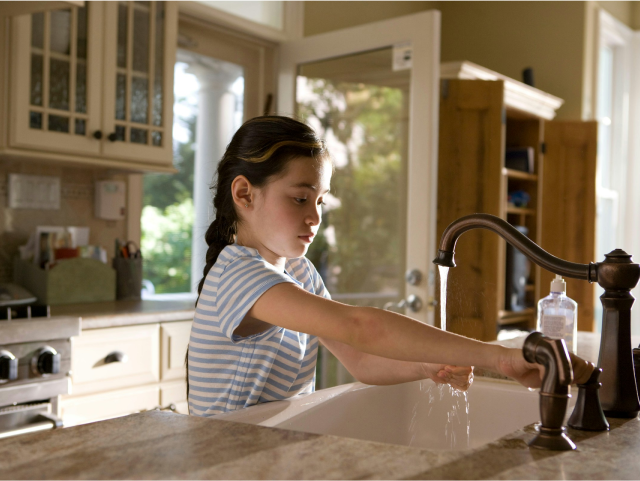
(420, 414)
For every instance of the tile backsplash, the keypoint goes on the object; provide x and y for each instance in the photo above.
(76, 208)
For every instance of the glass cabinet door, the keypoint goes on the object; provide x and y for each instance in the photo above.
(139, 60)
(55, 78)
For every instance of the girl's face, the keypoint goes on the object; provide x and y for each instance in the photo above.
(288, 210)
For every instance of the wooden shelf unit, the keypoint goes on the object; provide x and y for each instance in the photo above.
(518, 174)
(479, 120)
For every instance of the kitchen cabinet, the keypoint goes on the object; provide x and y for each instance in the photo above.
(10, 9)
(107, 359)
(97, 407)
(174, 340)
(482, 114)
(94, 84)
(121, 370)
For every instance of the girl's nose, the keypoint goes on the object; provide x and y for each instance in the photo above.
(315, 217)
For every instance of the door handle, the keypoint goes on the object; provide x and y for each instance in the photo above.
(413, 303)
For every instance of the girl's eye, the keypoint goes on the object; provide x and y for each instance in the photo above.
(300, 201)
(321, 203)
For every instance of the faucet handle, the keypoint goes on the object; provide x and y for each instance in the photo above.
(587, 414)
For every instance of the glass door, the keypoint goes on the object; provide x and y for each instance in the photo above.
(372, 93)
(361, 107)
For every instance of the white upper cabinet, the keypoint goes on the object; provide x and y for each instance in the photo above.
(95, 82)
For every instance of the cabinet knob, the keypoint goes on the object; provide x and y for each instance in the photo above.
(97, 134)
(112, 137)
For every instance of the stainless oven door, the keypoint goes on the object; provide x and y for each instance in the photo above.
(27, 418)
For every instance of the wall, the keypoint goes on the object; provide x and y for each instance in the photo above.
(76, 209)
(505, 36)
(510, 36)
(626, 12)
(321, 17)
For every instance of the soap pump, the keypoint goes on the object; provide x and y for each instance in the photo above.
(558, 315)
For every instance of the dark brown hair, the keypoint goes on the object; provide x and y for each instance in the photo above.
(260, 150)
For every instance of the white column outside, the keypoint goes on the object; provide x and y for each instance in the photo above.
(214, 130)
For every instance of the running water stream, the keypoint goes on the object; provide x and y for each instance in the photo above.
(444, 273)
(448, 405)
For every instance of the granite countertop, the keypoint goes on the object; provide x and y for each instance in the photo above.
(96, 315)
(162, 445)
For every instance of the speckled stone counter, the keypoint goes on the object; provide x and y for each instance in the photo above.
(97, 315)
(159, 445)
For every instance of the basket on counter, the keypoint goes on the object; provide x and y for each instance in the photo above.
(70, 281)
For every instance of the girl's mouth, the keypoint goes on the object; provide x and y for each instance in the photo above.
(306, 238)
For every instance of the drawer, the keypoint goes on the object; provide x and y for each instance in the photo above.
(97, 407)
(174, 392)
(174, 342)
(114, 358)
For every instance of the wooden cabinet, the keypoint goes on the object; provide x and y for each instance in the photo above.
(482, 114)
(123, 370)
(94, 84)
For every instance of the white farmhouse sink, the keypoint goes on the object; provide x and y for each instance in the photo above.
(419, 413)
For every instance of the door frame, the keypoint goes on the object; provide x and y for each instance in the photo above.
(422, 30)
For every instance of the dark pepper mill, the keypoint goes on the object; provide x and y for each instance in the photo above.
(587, 414)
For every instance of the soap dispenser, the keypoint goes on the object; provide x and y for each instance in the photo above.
(558, 315)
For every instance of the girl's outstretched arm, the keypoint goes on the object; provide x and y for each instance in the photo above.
(391, 335)
(376, 370)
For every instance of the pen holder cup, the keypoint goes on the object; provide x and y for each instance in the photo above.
(128, 278)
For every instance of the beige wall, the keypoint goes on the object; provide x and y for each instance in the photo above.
(505, 36)
(510, 36)
(626, 12)
(321, 17)
(76, 209)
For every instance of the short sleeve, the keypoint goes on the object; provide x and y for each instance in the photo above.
(318, 284)
(241, 284)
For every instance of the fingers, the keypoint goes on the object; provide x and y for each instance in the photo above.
(458, 377)
(459, 370)
(462, 384)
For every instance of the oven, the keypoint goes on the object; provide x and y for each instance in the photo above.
(35, 365)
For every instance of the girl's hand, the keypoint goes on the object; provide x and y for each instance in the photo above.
(458, 377)
(512, 364)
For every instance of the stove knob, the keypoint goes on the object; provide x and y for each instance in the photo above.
(8, 366)
(46, 361)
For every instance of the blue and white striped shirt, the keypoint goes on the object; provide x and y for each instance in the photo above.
(229, 372)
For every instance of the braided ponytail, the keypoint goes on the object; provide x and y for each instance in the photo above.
(219, 235)
(260, 150)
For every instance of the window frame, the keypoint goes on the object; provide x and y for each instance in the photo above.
(293, 21)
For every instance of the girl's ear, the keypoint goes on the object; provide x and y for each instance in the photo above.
(242, 192)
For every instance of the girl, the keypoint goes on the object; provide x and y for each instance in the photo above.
(262, 306)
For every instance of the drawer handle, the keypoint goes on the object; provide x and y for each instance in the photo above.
(116, 356)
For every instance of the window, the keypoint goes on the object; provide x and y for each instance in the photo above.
(269, 13)
(613, 185)
(208, 109)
